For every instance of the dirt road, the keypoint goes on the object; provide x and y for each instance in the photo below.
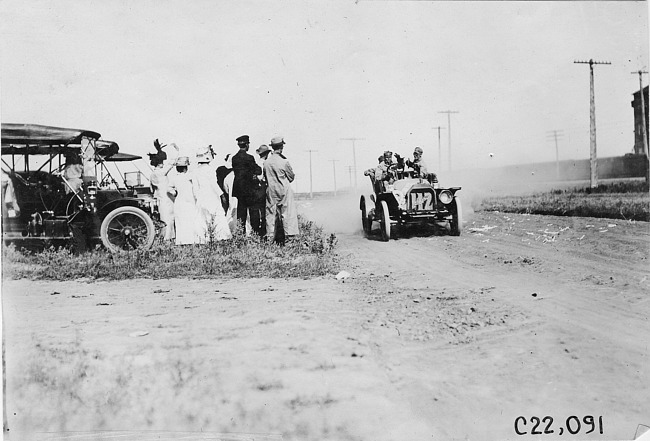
(431, 337)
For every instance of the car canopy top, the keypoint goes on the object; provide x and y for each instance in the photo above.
(37, 139)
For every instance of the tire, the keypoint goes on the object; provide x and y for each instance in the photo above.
(365, 221)
(127, 228)
(456, 222)
(385, 222)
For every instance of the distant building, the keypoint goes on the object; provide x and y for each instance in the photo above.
(638, 120)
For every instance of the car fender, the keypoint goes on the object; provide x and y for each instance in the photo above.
(116, 203)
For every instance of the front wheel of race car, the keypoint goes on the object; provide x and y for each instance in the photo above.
(456, 222)
(385, 222)
(365, 221)
(127, 228)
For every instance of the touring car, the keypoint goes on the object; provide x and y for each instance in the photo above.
(41, 205)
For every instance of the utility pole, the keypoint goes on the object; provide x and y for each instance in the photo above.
(643, 124)
(354, 157)
(334, 161)
(311, 194)
(449, 112)
(556, 134)
(592, 120)
(350, 171)
(439, 148)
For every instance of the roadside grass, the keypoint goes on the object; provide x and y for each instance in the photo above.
(309, 254)
(621, 200)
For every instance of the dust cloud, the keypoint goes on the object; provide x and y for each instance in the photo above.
(336, 214)
(341, 214)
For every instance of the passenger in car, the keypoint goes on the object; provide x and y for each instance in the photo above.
(418, 165)
(374, 173)
(420, 168)
(73, 172)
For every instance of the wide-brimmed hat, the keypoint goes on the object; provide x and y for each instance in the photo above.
(204, 154)
(182, 161)
(262, 149)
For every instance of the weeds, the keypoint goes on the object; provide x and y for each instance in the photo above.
(311, 253)
(622, 200)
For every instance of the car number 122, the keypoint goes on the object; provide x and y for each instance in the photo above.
(421, 201)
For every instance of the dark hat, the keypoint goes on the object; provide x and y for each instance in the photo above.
(262, 149)
(244, 139)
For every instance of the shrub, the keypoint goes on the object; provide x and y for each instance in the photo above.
(309, 254)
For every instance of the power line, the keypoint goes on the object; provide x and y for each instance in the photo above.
(439, 148)
(334, 161)
(311, 194)
(354, 156)
(449, 112)
(556, 135)
(350, 168)
(592, 120)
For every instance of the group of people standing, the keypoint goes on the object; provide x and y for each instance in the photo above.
(206, 203)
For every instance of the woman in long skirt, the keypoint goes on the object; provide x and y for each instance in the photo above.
(185, 212)
(160, 184)
(211, 222)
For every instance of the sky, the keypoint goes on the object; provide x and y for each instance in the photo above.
(199, 72)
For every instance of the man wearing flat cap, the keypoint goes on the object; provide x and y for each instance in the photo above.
(279, 195)
(260, 191)
(418, 164)
(246, 171)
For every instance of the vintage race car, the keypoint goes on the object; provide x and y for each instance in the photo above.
(410, 199)
(42, 204)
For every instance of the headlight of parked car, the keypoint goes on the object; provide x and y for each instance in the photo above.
(445, 197)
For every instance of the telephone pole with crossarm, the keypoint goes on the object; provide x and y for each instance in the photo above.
(592, 121)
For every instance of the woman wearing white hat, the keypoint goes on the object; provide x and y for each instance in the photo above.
(211, 222)
(185, 212)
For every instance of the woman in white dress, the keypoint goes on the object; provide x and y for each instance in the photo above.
(211, 222)
(159, 182)
(185, 212)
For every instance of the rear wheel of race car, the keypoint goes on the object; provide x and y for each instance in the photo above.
(385, 222)
(127, 228)
(365, 221)
(456, 222)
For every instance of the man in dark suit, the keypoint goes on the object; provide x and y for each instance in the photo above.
(246, 171)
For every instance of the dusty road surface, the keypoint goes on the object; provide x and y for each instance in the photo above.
(431, 337)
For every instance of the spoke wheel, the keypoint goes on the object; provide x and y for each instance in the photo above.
(365, 222)
(126, 229)
(456, 222)
(385, 222)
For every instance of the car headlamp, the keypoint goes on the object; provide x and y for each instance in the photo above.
(445, 197)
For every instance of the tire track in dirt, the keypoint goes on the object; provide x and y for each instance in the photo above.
(566, 317)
